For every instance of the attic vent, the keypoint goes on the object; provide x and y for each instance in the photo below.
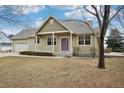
(51, 21)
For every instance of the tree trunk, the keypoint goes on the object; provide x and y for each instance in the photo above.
(101, 63)
(103, 29)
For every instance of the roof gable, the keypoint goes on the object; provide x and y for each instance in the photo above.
(56, 26)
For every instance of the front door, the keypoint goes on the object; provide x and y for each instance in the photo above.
(64, 44)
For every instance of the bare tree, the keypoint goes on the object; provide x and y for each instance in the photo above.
(120, 18)
(103, 17)
(13, 15)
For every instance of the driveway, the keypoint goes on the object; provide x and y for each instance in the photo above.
(5, 54)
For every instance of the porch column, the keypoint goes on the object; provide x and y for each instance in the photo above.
(36, 43)
(53, 41)
(71, 42)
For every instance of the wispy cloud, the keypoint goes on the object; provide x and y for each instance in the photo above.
(22, 9)
(28, 9)
(38, 22)
(63, 7)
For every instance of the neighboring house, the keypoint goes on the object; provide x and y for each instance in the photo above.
(61, 37)
(5, 42)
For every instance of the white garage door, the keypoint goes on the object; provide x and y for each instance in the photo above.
(20, 47)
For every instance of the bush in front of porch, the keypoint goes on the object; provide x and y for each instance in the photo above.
(36, 53)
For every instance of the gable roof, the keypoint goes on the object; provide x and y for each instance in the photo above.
(4, 38)
(26, 33)
(75, 26)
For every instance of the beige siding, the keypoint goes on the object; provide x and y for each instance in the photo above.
(84, 49)
(52, 27)
(21, 41)
(43, 47)
(48, 48)
(31, 43)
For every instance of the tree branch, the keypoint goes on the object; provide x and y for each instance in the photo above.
(89, 11)
(97, 15)
(116, 13)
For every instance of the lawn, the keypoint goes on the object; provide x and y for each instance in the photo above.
(61, 72)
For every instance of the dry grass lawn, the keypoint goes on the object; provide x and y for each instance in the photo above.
(66, 72)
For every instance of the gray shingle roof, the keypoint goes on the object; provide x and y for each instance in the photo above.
(73, 25)
(26, 33)
(77, 26)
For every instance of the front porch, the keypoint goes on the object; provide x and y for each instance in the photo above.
(57, 42)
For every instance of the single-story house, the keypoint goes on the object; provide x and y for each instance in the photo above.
(60, 37)
(5, 42)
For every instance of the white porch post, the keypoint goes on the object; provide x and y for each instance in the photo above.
(71, 43)
(36, 43)
(53, 41)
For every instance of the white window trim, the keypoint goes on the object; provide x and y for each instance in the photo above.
(68, 43)
(84, 40)
(47, 39)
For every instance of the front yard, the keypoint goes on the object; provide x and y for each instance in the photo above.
(61, 72)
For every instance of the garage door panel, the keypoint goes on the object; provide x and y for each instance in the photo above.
(21, 47)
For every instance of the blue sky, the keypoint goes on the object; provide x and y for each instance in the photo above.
(33, 16)
(30, 18)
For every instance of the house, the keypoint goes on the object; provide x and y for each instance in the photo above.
(60, 37)
(5, 42)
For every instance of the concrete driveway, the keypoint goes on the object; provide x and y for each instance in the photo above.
(4, 54)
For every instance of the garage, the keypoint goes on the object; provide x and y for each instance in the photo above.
(20, 47)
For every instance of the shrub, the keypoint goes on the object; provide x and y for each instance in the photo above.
(36, 53)
(108, 50)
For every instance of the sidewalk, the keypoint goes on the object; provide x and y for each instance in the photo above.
(114, 54)
(18, 55)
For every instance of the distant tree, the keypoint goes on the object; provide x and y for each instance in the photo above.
(115, 41)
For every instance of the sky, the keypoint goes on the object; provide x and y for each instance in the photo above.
(33, 16)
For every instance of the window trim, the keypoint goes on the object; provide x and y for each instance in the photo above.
(84, 40)
(47, 40)
(36, 41)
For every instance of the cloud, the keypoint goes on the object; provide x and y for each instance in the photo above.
(10, 31)
(63, 7)
(77, 13)
(38, 22)
(27, 9)
(22, 9)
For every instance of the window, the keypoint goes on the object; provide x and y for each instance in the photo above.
(50, 40)
(38, 40)
(81, 40)
(84, 40)
(87, 39)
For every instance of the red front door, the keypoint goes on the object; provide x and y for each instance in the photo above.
(64, 44)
